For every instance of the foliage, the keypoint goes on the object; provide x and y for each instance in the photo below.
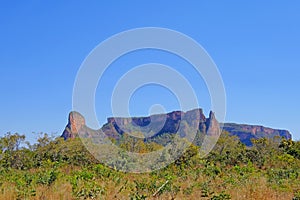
(270, 169)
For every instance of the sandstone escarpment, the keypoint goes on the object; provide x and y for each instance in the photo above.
(169, 123)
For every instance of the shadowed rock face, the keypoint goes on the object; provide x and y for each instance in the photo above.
(155, 125)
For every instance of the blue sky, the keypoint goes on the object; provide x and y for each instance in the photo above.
(255, 45)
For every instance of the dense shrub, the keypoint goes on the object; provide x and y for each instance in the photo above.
(230, 171)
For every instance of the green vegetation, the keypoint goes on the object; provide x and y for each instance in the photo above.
(58, 169)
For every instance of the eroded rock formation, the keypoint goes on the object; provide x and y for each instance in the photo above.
(156, 125)
(76, 122)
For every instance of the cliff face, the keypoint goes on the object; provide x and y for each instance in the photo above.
(165, 123)
(247, 132)
(155, 125)
(76, 122)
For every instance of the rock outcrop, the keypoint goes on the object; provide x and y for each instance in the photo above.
(76, 123)
(212, 125)
(159, 124)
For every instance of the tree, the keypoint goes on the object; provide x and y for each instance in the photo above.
(291, 147)
(228, 150)
(11, 142)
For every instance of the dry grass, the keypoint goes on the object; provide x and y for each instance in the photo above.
(253, 188)
(258, 189)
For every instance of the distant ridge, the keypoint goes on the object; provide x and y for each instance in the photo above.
(160, 124)
(246, 132)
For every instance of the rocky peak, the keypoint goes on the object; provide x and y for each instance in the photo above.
(212, 115)
(76, 122)
(212, 125)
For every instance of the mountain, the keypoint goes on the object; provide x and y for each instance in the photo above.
(174, 122)
(247, 132)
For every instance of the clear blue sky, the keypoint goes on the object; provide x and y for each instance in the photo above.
(255, 44)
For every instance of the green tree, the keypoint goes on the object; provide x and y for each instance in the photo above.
(228, 150)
